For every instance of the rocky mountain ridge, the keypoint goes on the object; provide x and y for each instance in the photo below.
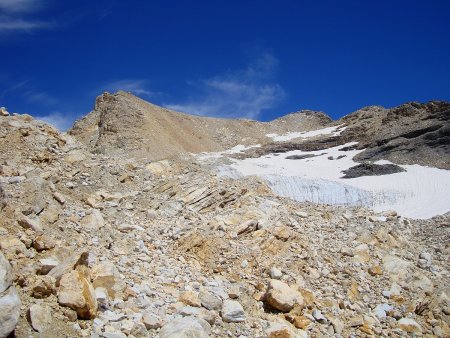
(412, 133)
(123, 123)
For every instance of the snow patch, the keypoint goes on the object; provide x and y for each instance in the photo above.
(333, 131)
(240, 148)
(420, 192)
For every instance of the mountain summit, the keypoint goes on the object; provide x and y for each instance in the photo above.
(123, 123)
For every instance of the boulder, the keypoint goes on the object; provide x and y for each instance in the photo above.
(232, 311)
(105, 275)
(77, 293)
(5, 273)
(9, 299)
(282, 297)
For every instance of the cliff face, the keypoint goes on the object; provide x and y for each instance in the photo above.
(123, 123)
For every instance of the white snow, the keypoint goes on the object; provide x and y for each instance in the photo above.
(334, 131)
(420, 192)
(235, 150)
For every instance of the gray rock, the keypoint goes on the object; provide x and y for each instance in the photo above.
(5, 273)
(232, 311)
(275, 273)
(424, 260)
(151, 321)
(9, 311)
(186, 327)
(210, 301)
(40, 317)
(2, 198)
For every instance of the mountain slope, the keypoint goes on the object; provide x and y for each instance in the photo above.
(123, 123)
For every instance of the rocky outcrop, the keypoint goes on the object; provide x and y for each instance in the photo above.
(413, 133)
(369, 169)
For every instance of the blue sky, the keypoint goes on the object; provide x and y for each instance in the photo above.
(253, 59)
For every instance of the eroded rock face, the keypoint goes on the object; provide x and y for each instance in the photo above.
(77, 293)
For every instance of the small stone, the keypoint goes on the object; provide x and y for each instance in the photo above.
(59, 197)
(381, 309)
(43, 287)
(232, 311)
(93, 221)
(247, 227)
(30, 223)
(233, 293)
(301, 322)
(409, 325)
(40, 317)
(190, 298)
(375, 270)
(186, 327)
(318, 316)
(126, 326)
(47, 264)
(151, 321)
(346, 251)
(210, 301)
(278, 330)
(70, 314)
(302, 214)
(43, 242)
(355, 321)
(338, 325)
(424, 260)
(78, 258)
(3, 112)
(275, 273)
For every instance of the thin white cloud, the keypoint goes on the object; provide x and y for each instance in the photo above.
(135, 86)
(13, 16)
(20, 6)
(237, 94)
(59, 120)
(10, 24)
(40, 97)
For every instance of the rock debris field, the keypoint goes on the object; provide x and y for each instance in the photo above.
(114, 246)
